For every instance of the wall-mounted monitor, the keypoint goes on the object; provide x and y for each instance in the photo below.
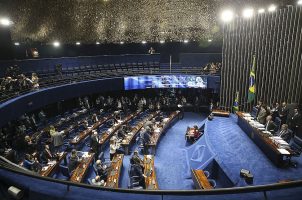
(165, 81)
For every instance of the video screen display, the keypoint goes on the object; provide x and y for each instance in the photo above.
(164, 81)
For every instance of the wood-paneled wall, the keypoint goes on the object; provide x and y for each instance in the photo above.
(276, 40)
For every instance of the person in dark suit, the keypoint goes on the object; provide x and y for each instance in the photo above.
(94, 142)
(276, 108)
(262, 114)
(46, 154)
(137, 171)
(102, 169)
(73, 161)
(295, 121)
(270, 125)
(284, 133)
(137, 160)
(283, 113)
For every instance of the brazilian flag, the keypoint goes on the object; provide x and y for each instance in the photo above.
(236, 103)
(251, 93)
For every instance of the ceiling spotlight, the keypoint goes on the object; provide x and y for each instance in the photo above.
(56, 44)
(144, 42)
(97, 43)
(210, 40)
(272, 8)
(186, 41)
(5, 22)
(16, 43)
(299, 2)
(122, 42)
(261, 10)
(227, 16)
(248, 13)
(162, 41)
(78, 43)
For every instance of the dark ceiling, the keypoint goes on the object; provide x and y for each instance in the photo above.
(112, 21)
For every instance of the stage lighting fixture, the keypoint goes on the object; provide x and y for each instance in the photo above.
(162, 41)
(248, 13)
(261, 10)
(299, 2)
(122, 42)
(272, 8)
(16, 43)
(186, 41)
(144, 42)
(227, 16)
(5, 22)
(78, 43)
(56, 44)
(97, 43)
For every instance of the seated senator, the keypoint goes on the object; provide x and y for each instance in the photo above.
(101, 169)
(73, 161)
(284, 133)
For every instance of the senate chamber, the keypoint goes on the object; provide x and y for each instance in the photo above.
(120, 99)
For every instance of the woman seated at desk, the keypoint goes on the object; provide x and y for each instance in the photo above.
(192, 134)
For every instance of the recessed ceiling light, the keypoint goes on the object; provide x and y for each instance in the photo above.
(272, 8)
(78, 43)
(162, 41)
(97, 43)
(227, 16)
(16, 43)
(5, 22)
(248, 13)
(261, 10)
(56, 44)
(144, 42)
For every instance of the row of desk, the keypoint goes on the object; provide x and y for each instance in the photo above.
(131, 136)
(149, 171)
(60, 122)
(79, 138)
(114, 172)
(53, 165)
(82, 168)
(109, 133)
(269, 148)
(159, 132)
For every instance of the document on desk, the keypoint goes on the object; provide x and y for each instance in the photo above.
(283, 151)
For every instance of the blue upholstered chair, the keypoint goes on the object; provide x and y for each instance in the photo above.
(206, 173)
(27, 164)
(65, 171)
(212, 182)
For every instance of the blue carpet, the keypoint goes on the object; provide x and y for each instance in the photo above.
(170, 160)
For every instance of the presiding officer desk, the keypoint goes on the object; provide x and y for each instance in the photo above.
(82, 168)
(149, 171)
(221, 113)
(51, 166)
(77, 139)
(114, 172)
(159, 132)
(109, 133)
(279, 156)
(132, 135)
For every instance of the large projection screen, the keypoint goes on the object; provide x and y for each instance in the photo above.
(165, 81)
